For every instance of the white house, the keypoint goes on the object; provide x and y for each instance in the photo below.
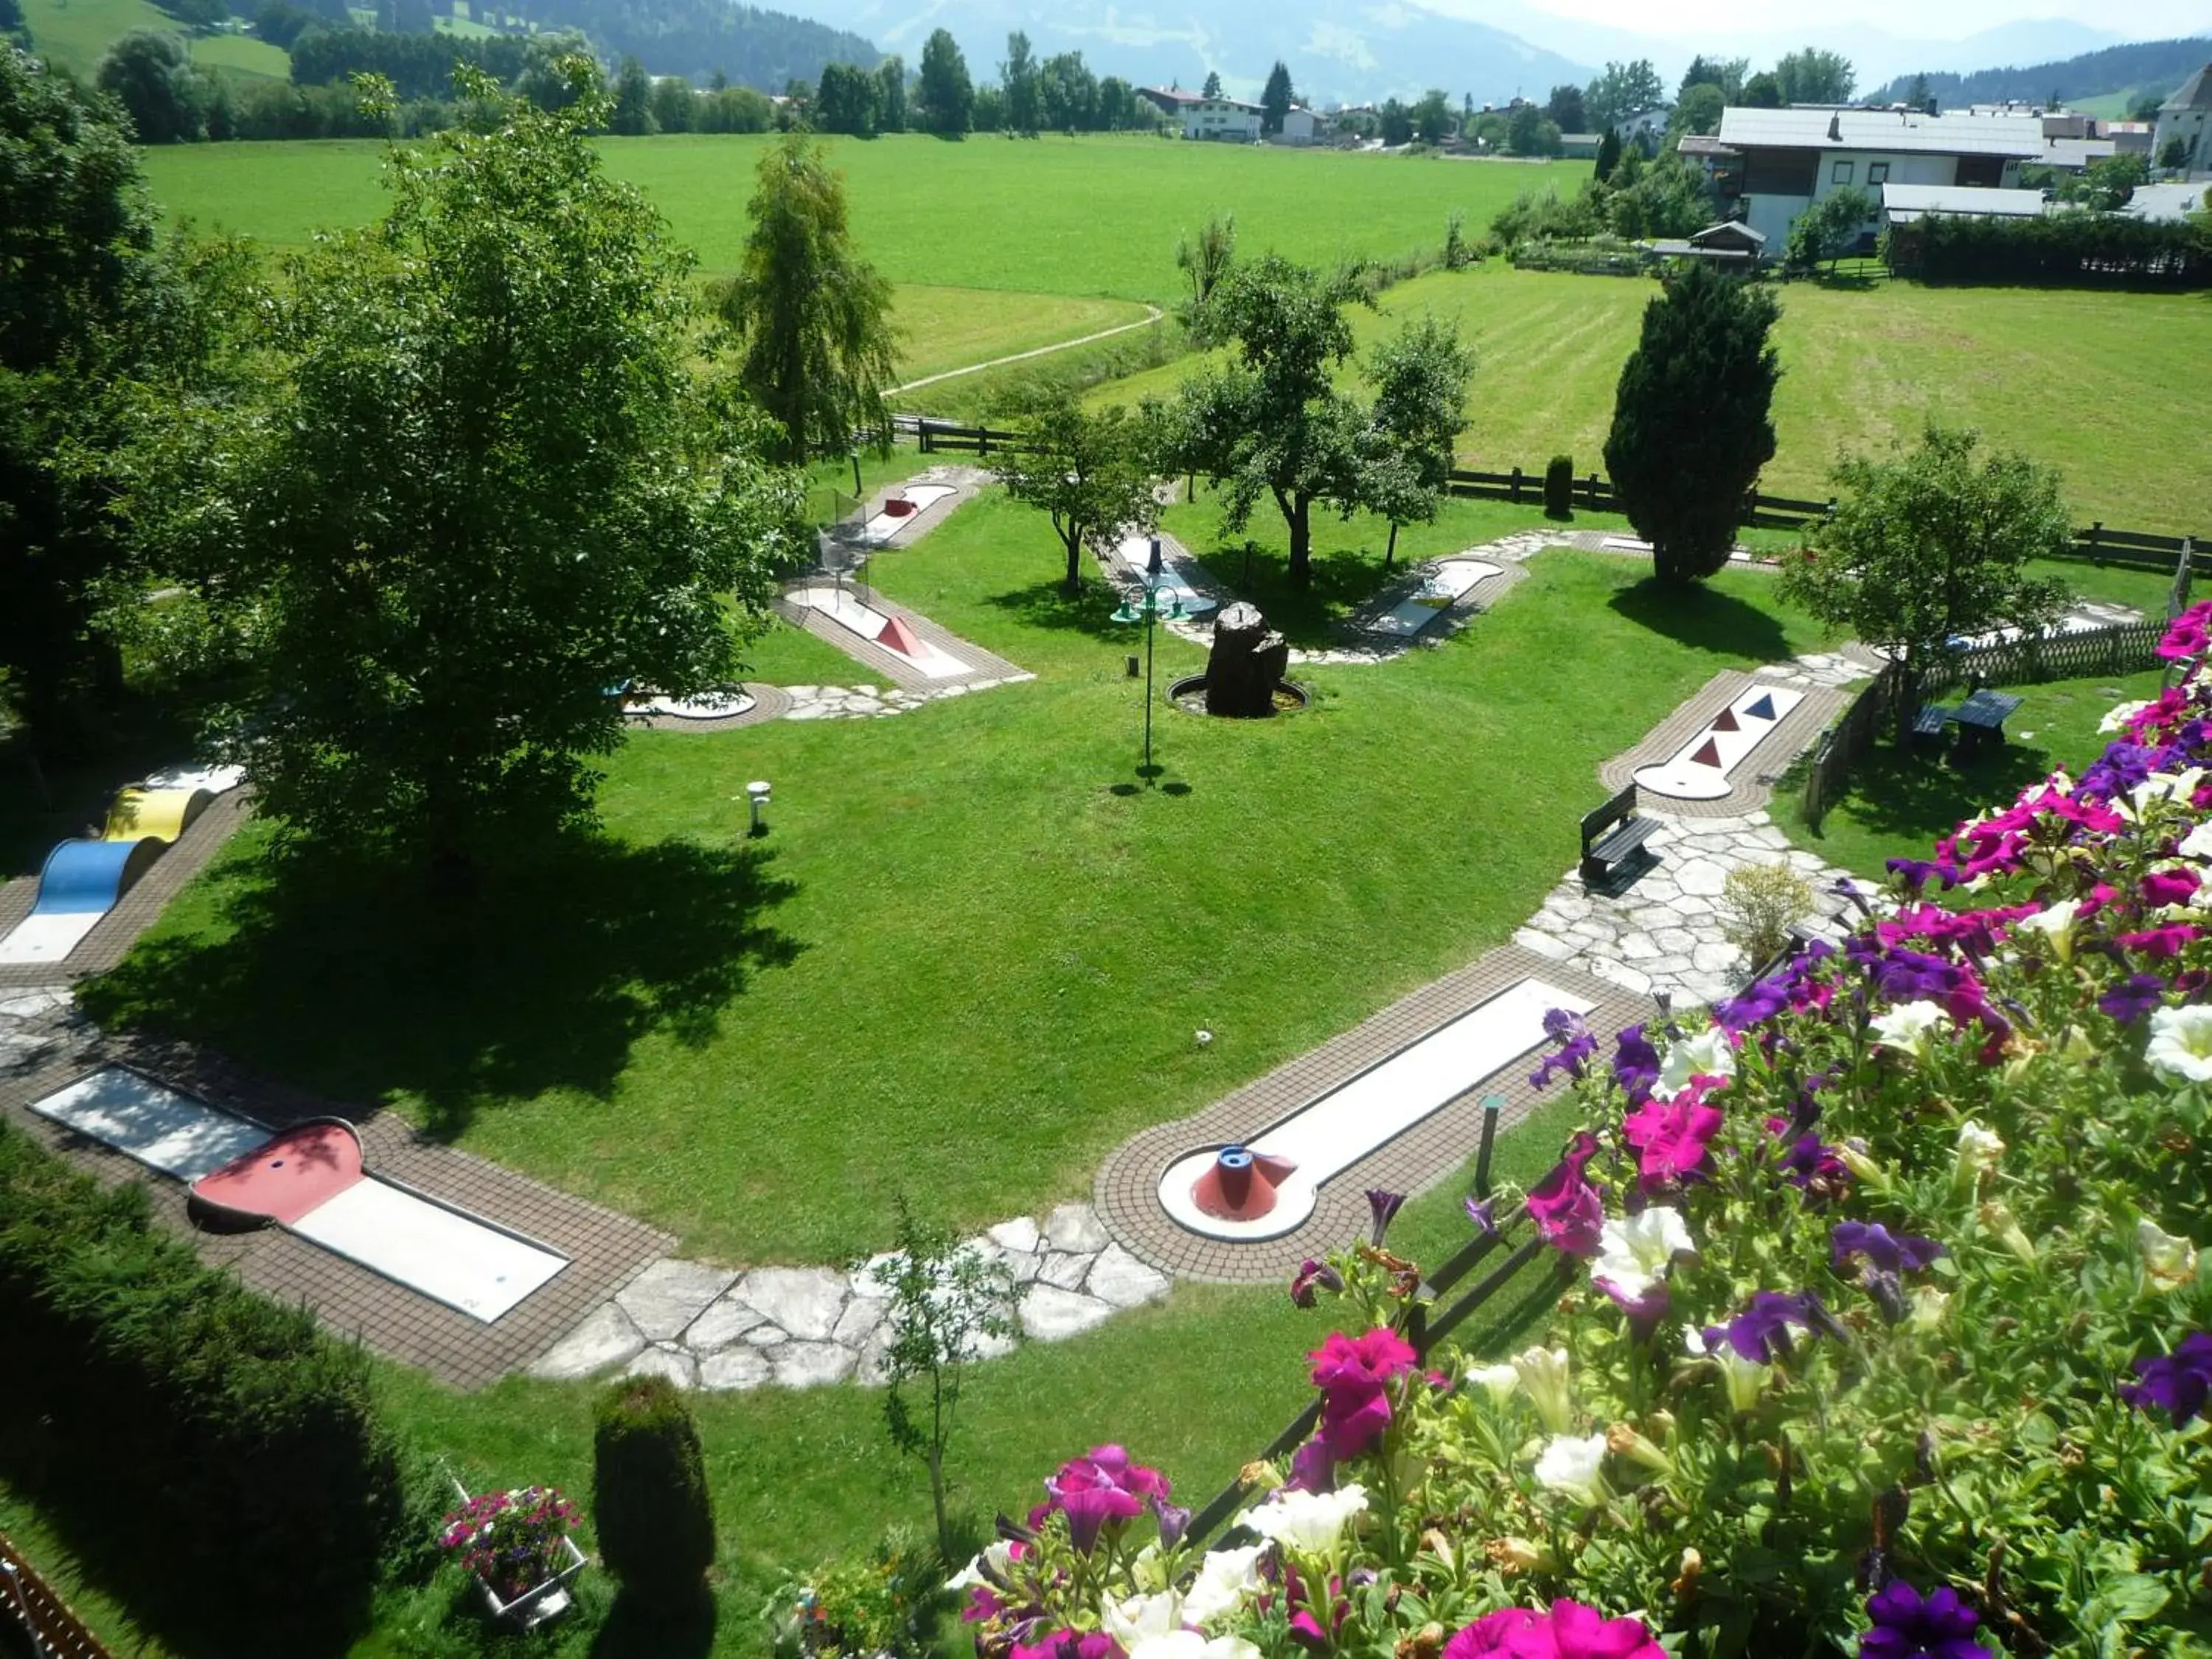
(2187, 115)
(1221, 119)
(1299, 126)
(1792, 158)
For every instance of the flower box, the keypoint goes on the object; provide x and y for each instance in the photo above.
(549, 1600)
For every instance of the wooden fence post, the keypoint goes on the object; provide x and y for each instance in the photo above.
(1517, 486)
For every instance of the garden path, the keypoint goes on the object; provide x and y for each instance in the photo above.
(1153, 315)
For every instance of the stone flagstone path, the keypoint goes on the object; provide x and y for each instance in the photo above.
(703, 1326)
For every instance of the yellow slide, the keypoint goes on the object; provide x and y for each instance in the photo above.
(163, 814)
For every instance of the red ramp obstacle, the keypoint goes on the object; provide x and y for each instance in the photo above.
(1239, 1184)
(899, 637)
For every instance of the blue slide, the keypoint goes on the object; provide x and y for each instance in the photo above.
(83, 876)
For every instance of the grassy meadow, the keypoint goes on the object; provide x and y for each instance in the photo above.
(74, 33)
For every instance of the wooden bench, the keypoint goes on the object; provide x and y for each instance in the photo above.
(1931, 720)
(1613, 835)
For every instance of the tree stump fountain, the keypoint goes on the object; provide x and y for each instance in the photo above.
(1246, 663)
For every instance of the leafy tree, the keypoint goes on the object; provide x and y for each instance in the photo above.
(1394, 123)
(674, 105)
(1119, 109)
(1827, 229)
(97, 317)
(1275, 100)
(1609, 155)
(1689, 420)
(1432, 117)
(1665, 198)
(1726, 73)
(1213, 86)
(412, 17)
(1622, 90)
(1565, 106)
(2174, 156)
(632, 111)
(1271, 422)
(1068, 92)
(1018, 76)
(482, 485)
(1205, 262)
(1420, 378)
(651, 1503)
(944, 94)
(2106, 186)
(1814, 76)
(149, 72)
(1524, 130)
(1091, 473)
(891, 94)
(846, 101)
(988, 113)
(945, 1307)
(1698, 109)
(810, 320)
(1763, 91)
(1934, 542)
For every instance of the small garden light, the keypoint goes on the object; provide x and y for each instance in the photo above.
(757, 794)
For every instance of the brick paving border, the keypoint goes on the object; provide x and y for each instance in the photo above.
(890, 665)
(604, 1249)
(1750, 786)
(134, 912)
(769, 703)
(1126, 1189)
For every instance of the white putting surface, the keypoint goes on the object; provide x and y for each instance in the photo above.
(884, 525)
(1336, 1132)
(1439, 593)
(1699, 770)
(448, 1256)
(841, 607)
(698, 709)
(167, 1131)
(49, 938)
(1136, 552)
(214, 778)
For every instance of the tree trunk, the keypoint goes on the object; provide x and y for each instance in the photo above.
(936, 1498)
(1074, 578)
(1299, 516)
(1391, 552)
(1670, 567)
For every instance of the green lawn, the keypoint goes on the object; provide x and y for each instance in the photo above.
(1095, 216)
(948, 328)
(1898, 801)
(1861, 367)
(74, 33)
(759, 1048)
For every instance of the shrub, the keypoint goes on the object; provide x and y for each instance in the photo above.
(216, 1440)
(1559, 487)
(655, 1515)
(885, 1602)
(1759, 903)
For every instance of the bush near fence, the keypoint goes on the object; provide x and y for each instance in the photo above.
(2080, 250)
(211, 1451)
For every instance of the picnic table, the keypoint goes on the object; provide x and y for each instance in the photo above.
(1980, 719)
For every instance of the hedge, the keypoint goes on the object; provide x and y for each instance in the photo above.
(212, 1456)
(2092, 250)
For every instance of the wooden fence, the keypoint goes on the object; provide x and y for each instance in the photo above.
(1429, 1325)
(1595, 493)
(2124, 648)
(30, 1605)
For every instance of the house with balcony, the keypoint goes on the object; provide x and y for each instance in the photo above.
(1781, 161)
(1221, 121)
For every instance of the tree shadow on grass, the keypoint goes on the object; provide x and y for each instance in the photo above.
(1704, 619)
(636, 1629)
(1343, 581)
(360, 982)
(1914, 794)
(1049, 604)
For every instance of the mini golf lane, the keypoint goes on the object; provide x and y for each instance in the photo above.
(1135, 552)
(309, 1179)
(1699, 770)
(1442, 590)
(77, 887)
(919, 499)
(891, 633)
(1297, 1155)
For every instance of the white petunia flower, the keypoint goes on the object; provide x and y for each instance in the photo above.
(1745, 1379)
(1190, 1645)
(1308, 1520)
(1709, 1053)
(1130, 1618)
(1543, 1374)
(2168, 1262)
(2180, 1049)
(1224, 1578)
(1907, 1027)
(2117, 720)
(1499, 1381)
(2165, 786)
(2055, 923)
(1931, 1307)
(1574, 1465)
(998, 1555)
(1633, 1251)
(2197, 843)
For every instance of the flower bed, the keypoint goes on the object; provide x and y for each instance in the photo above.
(1885, 1330)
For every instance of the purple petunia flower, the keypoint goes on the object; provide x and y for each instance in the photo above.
(1916, 873)
(1758, 1005)
(1761, 1333)
(1907, 1624)
(1635, 1063)
(1887, 1252)
(1479, 1212)
(1313, 1276)
(2133, 997)
(2179, 1381)
(1573, 1059)
(1382, 1206)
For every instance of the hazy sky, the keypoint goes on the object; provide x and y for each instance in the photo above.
(1953, 20)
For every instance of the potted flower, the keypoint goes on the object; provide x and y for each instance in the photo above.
(517, 1545)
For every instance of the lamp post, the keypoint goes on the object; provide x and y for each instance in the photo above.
(1147, 610)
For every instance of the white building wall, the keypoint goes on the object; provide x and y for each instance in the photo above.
(2194, 128)
(1773, 214)
(1219, 121)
